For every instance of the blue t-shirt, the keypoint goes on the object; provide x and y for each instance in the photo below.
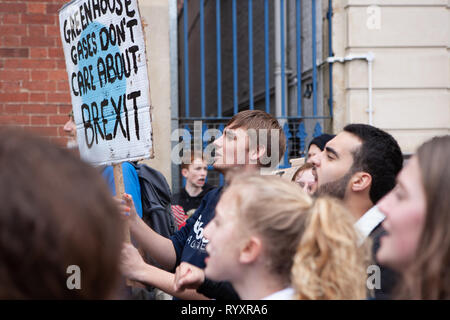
(189, 242)
(130, 181)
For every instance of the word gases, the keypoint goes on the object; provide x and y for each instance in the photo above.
(87, 47)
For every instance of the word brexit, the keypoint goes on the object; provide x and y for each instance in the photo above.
(95, 121)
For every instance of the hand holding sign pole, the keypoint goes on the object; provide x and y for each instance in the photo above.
(105, 54)
(120, 189)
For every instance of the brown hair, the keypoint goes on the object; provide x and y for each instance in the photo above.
(260, 120)
(56, 212)
(429, 275)
(305, 166)
(319, 234)
(189, 159)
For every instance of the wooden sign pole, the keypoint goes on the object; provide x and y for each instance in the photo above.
(120, 189)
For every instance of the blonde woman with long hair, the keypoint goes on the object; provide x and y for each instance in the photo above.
(329, 264)
(273, 241)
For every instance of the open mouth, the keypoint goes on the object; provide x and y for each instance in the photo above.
(386, 228)
(383, 237)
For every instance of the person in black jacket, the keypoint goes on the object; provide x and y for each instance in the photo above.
(235, 151)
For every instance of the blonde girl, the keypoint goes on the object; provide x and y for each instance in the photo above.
(273, 241)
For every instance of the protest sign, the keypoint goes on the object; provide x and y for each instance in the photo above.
(105, 54)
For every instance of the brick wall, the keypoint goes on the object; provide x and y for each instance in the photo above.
(34, 90)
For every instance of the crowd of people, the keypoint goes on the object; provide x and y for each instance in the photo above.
(355, 205)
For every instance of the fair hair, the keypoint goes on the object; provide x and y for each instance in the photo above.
(308, 243)
(329, 264)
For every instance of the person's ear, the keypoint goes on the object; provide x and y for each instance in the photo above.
(184, 172)
(361, 181)
(257, 153)
(251, 250)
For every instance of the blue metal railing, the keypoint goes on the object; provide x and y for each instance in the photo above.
(283, 65)
(330, 54)
(314, 57)
(266, 55)
(293, 113)
(250, 53)
(298, 31)
(219, 60)
(186, 59)
(235, 71)
(202, 56)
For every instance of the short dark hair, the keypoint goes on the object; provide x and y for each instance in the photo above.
(56, 212)
(257, 120)
(321, 141)
(379, 155)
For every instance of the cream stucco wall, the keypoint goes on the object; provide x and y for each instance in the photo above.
(155, 17)
(410, 40)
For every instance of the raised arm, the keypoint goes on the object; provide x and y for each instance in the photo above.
(158, 247)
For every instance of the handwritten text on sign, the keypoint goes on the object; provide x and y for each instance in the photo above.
(105, 56)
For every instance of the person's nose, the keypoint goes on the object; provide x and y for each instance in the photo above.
(315, 160)
(218, 142)
(385, 203)
(305, 188)
(68, 126)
